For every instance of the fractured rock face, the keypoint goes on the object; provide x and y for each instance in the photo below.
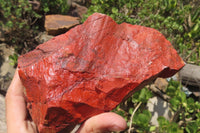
(91, 69)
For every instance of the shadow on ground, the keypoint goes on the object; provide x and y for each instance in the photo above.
(1, 58)
(1, 77)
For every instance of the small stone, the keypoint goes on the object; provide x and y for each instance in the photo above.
(196, 93)
(35, 5)
(59, 24)
(190, 75)
(91, 69)
(79, 10)
(161, 84)
(43, 37)
(158, 107)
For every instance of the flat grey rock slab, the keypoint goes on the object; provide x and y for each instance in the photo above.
(3, 128)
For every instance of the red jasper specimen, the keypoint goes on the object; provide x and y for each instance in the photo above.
(91, 69)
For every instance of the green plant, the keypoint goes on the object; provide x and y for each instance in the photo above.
(13, 58)
(142, 117)
(185, 112)
(134, 112)
(19, 20)
(168, 127)
(141, 121)
(55, 6)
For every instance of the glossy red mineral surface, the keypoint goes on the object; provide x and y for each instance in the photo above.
(91, 69)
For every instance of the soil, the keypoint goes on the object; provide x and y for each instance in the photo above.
(6, 74)
(6, 69)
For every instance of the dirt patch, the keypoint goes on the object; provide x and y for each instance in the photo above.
(2, 115)
(6, 70)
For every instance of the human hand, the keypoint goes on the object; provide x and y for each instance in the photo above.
(16, 112)
(17, 122)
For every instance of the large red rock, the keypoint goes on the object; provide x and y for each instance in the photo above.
(91, 69)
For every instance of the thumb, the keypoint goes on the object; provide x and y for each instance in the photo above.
(105, 122)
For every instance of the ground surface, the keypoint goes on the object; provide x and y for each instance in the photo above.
(6, 74)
